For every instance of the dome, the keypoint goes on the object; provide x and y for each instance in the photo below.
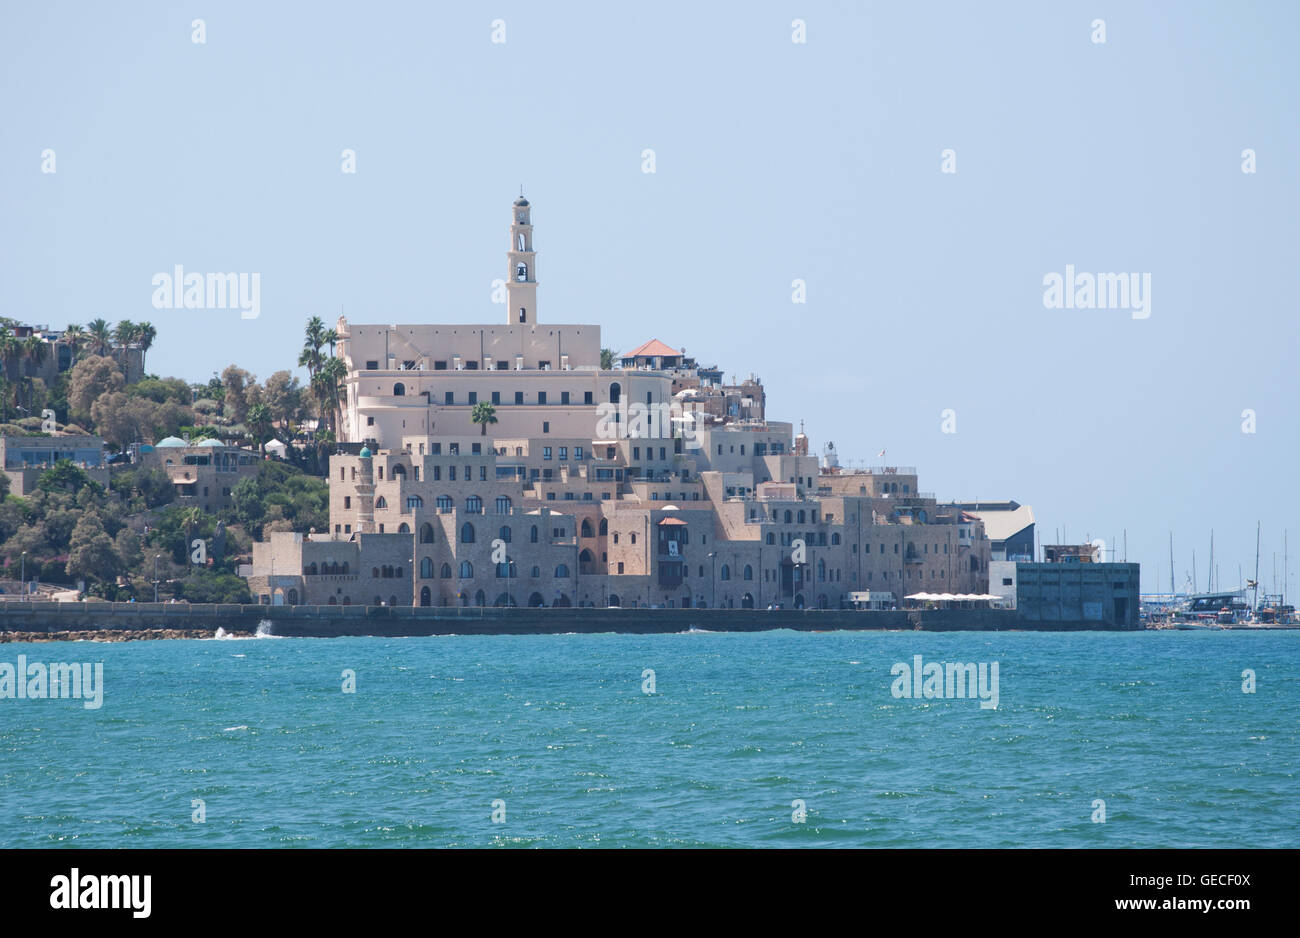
(365, 452)
(208, 442)
(521, 201)
(170, 441)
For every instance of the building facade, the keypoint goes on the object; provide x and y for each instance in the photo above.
(652, 484)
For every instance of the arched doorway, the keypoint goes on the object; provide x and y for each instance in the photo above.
(426, 597)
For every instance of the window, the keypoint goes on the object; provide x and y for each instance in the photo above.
(546, 452)
(449, 397)
(532, 534)
(399, 390)
(467, 533)
(473, 399)
(519, 397)
(586, 397)
(503, 504)
(466, 570)
(561, 572)
(505, 533)
(546, 426)
(347, 501)
(541, 397)
(474, 505)
(564, 452)
(426, 568)
(414, 501)
(577, 453)
(496, 397)
(372, 364)
(381, 502)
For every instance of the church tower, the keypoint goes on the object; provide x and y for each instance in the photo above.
(521, 290)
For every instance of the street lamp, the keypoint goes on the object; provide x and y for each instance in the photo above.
(24, 587)
(155, 576)
(713, 562)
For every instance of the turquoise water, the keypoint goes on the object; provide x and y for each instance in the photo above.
(741, 725)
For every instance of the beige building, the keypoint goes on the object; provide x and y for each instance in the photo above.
(204, 472)
(652, 484)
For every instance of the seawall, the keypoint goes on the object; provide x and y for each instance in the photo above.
(132, 620)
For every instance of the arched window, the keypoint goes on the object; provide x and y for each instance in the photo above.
(311, 569)
(504, 533)
(503, 504)
(467, 533)
(725, 572)
(399, 573)
(426, 533)
(474, 505)
(789, 516)
(414, 501)
(374, 573)
(506, 570)
(444, 503)
(835, 538)
(345, 568)
(801, 516)
(521, 272)
(466, 570)
(604, 527)
(426, 570)
(403, 528)
(561, 571)
(771, 538)
(586, 528)
(381, 502)
(445, 571)
(749, 572)
(399, 390)
(426, 598)
(532, 535)
(399, 470)
(615, 392)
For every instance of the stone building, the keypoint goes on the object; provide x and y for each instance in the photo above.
(649, 485)
(24, 458)
(204, 472)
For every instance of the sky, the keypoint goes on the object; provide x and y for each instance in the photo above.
(924, 332)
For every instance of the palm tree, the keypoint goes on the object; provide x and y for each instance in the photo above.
(74, 337)
(100, 335)
(34, 351)
(607, 356)
(483, 414)
(259, 423)
(330, 376)
(11, 350)
(124, 335)
(145, 334)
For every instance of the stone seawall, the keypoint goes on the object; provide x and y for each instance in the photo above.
(163, 620)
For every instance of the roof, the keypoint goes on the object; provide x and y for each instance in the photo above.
(208, 442)
(652, 349)
(170, 441)
(672, 521)
(1000, 525)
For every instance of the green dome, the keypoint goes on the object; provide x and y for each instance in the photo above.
(365, 452)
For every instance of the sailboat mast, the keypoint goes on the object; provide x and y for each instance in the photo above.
(1255, 603)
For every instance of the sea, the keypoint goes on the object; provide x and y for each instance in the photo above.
(763, 739)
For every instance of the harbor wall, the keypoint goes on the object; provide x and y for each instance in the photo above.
(338, 621)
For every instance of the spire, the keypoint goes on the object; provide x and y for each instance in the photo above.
(521, 260)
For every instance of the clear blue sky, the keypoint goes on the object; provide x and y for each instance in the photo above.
(775, 161)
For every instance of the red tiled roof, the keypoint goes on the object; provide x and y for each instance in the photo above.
(672, 521)
(652, 349)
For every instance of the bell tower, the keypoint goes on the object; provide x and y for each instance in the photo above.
(521, 289)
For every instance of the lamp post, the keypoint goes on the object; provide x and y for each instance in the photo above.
(713, 561)
(24, 586)
(155, 577)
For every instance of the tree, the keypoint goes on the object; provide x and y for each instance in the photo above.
(607, 356)
(65, 476)
(91, 552)
(237, 382)
(283, 394)
(101, 336)
(145, 335)
(89, 378)
(258, 422)
(483, 414)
